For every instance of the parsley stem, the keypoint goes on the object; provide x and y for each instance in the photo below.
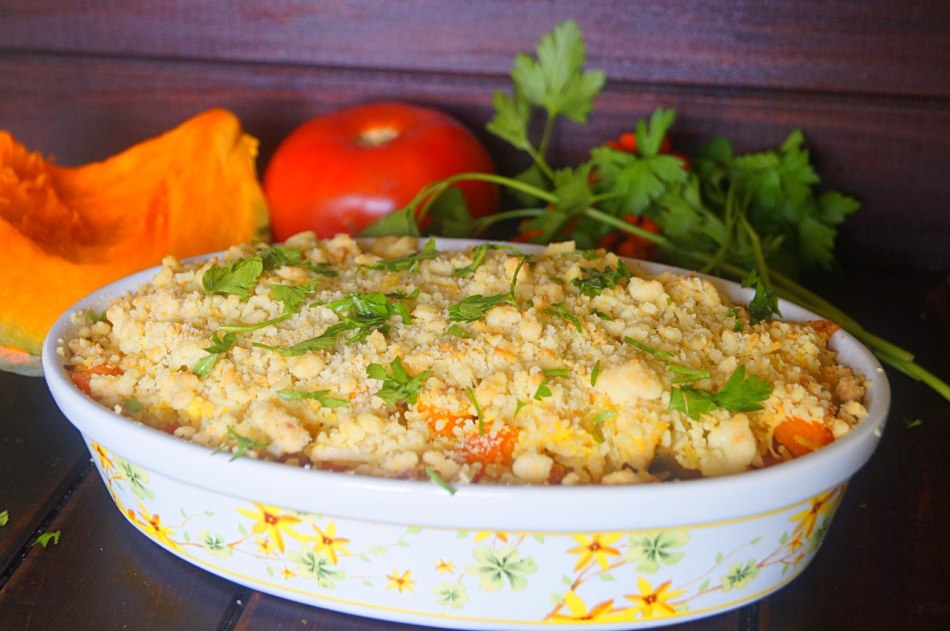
(760, 263)
(620, 224)
(488, 220)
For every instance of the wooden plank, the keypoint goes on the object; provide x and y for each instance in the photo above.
(892, 155)
(872, 47)
(879, 529)
(42, 454)
(105, 574)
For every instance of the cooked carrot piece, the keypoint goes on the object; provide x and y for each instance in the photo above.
(493, 447)
(801, 437)
(441, 422)
(82, 377)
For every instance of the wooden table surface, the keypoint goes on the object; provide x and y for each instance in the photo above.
(885, 563)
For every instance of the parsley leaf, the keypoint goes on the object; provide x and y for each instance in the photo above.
(555, 81)
(278, 256)
(4, 517)
(219, 345)
(438, 479)
(409, 262)
(472, 308)
(597, 422)
(683, 373)
(478, 257)
(321, 396)
(558, 310)
(738, 394)
(764, 303)
(241, 444)
(478, 410)
(235, 279)
(44, 539)
(594, 281)
(397, 384)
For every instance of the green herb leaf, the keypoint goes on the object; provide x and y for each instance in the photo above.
(543, 391)
(478, 409)
(278, 256)
(219, 345)
(593, 281)
(132, 405)
(409, 262)
(595, 430)
(595, 373)
(551, 373)
(401, 223)
(556, 81)
(738, 394)
(241, 444)
(456, 330)
(558, 310)
(764, 303)
(321, 396)
(235, 279)
(472, 308)
(397, 384)
(293, 296)
(4, 517)
(46, 538)
(438, 479)
(478, 257)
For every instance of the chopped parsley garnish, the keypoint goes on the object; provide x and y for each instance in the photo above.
(219, 345)
(764, 303)
(475, 307)
(603, 316)
(278, 256)
(236, 279)
(595, 430)
(551, 373)
(95, 316)
(595, 373)
(132, 405)
(595, 281)
(362, 313)
(560, 311)
(457, 330)
(684, 373)
(438, 479)
(293, 298)
(478, 257)
(4, 517)
(241, 444)
(478, 409)
(738, 394)
(737, 321)
(409, 262)
(397, 384)
(321, 396)
(44, 539)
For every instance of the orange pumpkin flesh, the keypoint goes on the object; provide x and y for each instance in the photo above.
(65, 231)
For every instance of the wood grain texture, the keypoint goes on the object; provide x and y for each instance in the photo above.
(103, 574)
(40, 456)
(891, 154)
(872, 47)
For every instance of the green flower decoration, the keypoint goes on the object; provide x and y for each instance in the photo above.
(214, 544)
(137, 480)
(318, 567)
(739, 575)
(451, 595)
(649, 551)
(494, 568)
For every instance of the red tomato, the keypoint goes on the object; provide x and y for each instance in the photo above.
(341, 171)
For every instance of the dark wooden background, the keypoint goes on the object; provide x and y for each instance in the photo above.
(867, 81)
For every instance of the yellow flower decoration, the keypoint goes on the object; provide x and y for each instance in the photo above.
(104, 459)
(330, 544)
(401, 582)
(268, 519)
(445, 567)
(595, 548)
(152, 526)
(577, 611)
(653, 603)
(481, 535)
(808, 518)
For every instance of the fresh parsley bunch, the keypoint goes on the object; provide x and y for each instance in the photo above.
(758, 218)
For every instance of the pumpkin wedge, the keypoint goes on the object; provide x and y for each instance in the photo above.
(66, 231)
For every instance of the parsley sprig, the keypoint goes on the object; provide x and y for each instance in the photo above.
(738, 394)
(475, 307)
(219, 346)
(397, 385)
(723, 213)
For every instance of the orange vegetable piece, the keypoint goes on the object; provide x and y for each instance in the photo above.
(800, 437)
(69, 230)
(82, 377)
(493, 447)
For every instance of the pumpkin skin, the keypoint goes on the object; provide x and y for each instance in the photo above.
(66, 231)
